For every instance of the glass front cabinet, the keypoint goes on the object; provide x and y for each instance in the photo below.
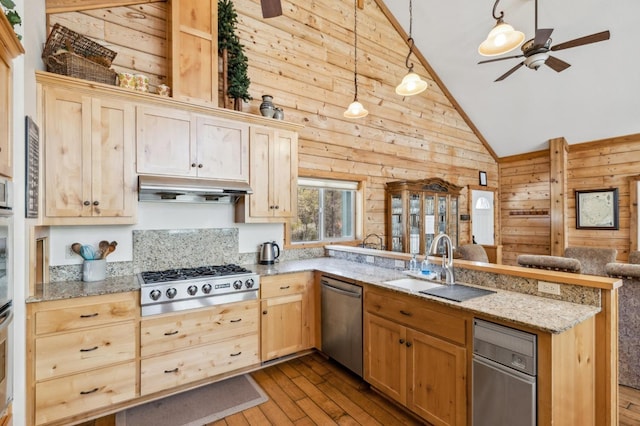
(418, 210)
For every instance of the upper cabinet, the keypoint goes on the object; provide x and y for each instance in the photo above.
(10, 48)
(273, 157)
(193, 54)
(181, 143)
(88, 158)
(419, 210)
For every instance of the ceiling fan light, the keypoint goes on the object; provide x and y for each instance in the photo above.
(355, 110)
(501, 39)
(411, 84)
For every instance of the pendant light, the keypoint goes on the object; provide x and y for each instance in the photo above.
(355, 110)
(411, 84)
(502, 38)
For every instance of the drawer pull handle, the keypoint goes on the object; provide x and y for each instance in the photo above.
(236, 354)
(88, 392)
(405, 313)
(285, 287)
(89, 315)
(236, 320)
(171, 333)
(89, 350)
(175, 370)
(401, 341)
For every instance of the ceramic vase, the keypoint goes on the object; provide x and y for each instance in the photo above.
(278, 114)
(266, 107)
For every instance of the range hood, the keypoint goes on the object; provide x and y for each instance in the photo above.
(188, 190)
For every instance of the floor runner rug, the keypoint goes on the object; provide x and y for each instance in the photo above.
(197, 407)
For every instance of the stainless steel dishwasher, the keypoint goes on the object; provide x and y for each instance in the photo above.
(504, 375)
(342, 322)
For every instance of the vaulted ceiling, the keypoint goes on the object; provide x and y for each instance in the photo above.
(597, 97)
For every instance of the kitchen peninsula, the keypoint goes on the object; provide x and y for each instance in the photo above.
(577, 354)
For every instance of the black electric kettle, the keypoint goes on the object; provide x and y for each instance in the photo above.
(269, 252)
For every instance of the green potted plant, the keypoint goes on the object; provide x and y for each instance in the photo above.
(12, 16)
(236, 82)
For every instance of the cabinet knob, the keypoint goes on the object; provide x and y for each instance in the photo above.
(264, 312)
(87, 203)
(96, 203)
(401, 341)
(199, 166)
(276, 207)
(408, 344)
(193, 164)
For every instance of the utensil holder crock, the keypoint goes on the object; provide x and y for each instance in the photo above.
(94, 270)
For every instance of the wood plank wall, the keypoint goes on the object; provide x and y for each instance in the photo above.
(305, 60)
(525, 187)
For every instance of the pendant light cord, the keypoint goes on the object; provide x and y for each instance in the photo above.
(410, 39)
(355, 48)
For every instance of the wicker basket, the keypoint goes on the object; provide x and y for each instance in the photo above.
(86, 60)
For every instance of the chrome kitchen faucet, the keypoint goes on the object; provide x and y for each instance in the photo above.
(447, 256)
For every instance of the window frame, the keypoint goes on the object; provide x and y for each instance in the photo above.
(358, 207)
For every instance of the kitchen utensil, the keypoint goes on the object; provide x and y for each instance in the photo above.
(75, 247)
(102, 249)
(87, 252)
(269, 253)
(110, 249)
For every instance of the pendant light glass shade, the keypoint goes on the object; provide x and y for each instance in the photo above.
(501, 39)
(355, 110)
(411, 84)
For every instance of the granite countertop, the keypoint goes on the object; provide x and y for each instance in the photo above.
(553, 316)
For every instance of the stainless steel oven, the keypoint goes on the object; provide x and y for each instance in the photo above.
(6, 296)
(5, 194)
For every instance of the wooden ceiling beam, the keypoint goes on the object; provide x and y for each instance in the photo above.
(59, 6)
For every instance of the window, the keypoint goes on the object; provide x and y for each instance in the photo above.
(326, 211)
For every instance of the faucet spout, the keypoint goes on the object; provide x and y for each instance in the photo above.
(447, 256)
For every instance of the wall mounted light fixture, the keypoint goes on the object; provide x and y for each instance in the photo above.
(502, 38)
(411, 84)
(355, 109)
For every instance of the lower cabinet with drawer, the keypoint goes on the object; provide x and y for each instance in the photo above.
(415, 352)
(82, 356)
(184, 347)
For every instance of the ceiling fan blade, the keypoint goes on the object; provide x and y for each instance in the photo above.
(271, 8)
(556, 64)
(508, 73)
(542, 35)
(593, 38)
(500, 59)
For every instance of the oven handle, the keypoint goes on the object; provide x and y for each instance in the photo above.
(6, 317)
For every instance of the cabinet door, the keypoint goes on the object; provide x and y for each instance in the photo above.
(67, 153)
(385, 365)
(222, 149)
(6, 89)
(112, 170)
(260, 204)
(437, 374)
(282, 326)
(165, 142)
(284, 174)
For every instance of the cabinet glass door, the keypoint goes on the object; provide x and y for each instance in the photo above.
(414, 223)
(429, 220)
(397, 225)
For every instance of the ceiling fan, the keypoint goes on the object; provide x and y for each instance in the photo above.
(271, 8)
(536, 50)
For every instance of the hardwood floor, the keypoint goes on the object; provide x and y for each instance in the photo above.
(312, 390)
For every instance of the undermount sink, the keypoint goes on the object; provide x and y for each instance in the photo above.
(413, 284)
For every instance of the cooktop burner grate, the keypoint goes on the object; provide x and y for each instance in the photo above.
(191, 273)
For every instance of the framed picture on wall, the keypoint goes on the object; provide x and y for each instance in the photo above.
(483, 178)
(597, 209)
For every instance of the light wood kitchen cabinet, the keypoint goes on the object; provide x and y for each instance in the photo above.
(184, 347)
(273, 158)
(417, 355)
(89, 158)
(288, 314)
(193, 50)
(419, 210)
(81, 355)
(180, 143)
(10, 48)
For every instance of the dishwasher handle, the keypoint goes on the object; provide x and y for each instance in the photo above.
(354, 294)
